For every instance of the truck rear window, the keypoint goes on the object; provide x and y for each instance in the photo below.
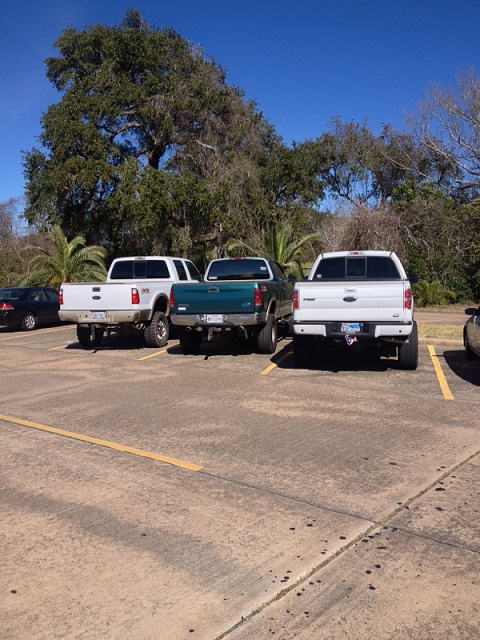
(139, 269)
(358, 267)
(241, 269)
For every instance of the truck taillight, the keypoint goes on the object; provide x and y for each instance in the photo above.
(135, 296)
(407, 303)
(295, 299)
(172, 298)
(60, 296)
(257, 297)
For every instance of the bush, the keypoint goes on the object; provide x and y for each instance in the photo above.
(425, 293)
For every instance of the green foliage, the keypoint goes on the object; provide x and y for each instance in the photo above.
(359, 167)
(149, 150)
(432, 293)
(440, 236)
(143, 111)
(278, 244)
(68, 262)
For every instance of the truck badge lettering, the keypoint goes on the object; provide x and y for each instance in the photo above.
(145, 290)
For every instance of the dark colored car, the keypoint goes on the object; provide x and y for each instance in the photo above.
(26, 307)
(471, 334)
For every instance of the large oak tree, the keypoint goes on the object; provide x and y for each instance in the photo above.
(149, 148)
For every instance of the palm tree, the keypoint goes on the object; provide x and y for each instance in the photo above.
(72, 261)
(276, 244)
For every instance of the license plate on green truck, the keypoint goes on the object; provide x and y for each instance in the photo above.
(214, 318)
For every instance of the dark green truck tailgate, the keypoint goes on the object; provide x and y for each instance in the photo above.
(221, 297)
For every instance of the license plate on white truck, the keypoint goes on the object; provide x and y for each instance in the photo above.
(350, 327)
(98, 315)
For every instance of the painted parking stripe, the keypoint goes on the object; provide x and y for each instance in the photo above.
(153, 355)
(103, 443)
(272, 366)
(447, 394)
(31, 334)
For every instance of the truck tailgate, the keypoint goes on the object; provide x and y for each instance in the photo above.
(352, 302)
(225, 297)
(97, 297)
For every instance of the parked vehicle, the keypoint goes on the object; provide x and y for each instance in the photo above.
(135, 297)
(250, 296)
(471, 334)
(358, 299)
(27, 307)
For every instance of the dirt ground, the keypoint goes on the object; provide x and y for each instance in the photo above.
(440, 315)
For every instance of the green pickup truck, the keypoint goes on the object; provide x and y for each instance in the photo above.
(250, 296)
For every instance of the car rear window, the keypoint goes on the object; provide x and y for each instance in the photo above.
(139, 269)
(238, 269)
(358, 267)
(13, 294)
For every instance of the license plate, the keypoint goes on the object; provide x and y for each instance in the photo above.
(98, 315)
(214, 318)
(350, 327)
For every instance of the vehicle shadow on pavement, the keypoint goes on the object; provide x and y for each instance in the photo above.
(114, 342)
(220, 346)
(340, 358)
(234, 345)
(468, 370)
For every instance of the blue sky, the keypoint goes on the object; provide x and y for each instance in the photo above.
(302, 61)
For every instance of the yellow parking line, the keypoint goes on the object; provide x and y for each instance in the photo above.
(275, 364)
(103, 443)
(64, 346)
(440, 375)
(31, 334)
(153, 355)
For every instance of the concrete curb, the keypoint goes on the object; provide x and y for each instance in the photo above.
(438, 341)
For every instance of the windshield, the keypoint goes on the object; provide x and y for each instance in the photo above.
(238, 269)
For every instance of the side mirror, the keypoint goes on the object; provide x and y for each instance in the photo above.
(291, 277)
(472, 312)
(413, 277)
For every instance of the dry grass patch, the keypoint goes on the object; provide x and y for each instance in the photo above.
(440, 331)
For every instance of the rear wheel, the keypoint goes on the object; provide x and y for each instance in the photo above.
(156, 333)
(85, 338)
(303, 350)
(408, 351)
(29, 322)
(190, 341)
(267, 338)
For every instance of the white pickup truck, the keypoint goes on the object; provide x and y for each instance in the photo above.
(135, 297)
(358, 299)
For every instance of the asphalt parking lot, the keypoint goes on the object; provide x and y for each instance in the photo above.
(148, 494)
